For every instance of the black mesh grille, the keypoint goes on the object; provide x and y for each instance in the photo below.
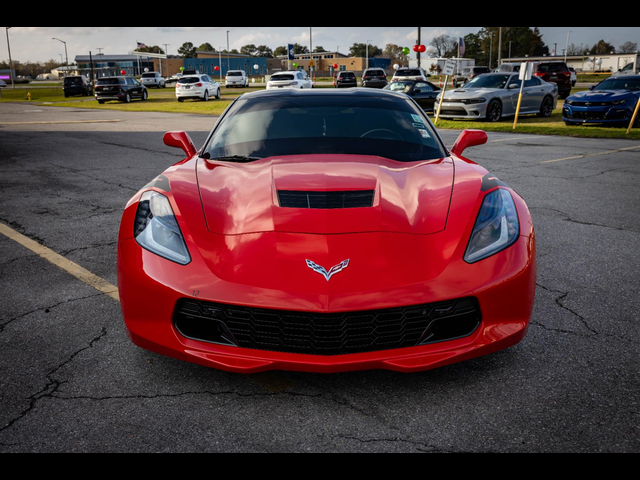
(332, 334)
(326, 200)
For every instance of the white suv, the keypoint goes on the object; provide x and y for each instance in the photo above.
(290, 80)
(197, 86)
(237, 78)
(153, 79)
(417, 74)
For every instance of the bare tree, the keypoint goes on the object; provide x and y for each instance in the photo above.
(628, 47)
(445, 46)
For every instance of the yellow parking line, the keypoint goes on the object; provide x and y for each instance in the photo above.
(513, 139)
(270, 381)
(59, 261)
(578, 157)
(60, 122)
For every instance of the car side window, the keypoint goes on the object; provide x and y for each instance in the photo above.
(534, 82)
(425, 87)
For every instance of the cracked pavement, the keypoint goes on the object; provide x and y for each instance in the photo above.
(71, 381)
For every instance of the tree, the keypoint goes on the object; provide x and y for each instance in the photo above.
(187, 50)
(264, 51)
(359, 50)
(473, 46)
(602, 48)
(578, 50)
(300, 49)
(281, 52)
(394, 52)
(206, 47)
(445, 46)
(524, 42)
(154, 49)
(319, 49)
(628, 47)
(249, 50)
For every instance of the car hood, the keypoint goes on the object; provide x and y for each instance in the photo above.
(407, 198)
(467, 93)
(602, 96)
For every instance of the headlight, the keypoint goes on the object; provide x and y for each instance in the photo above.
(473, 101)
(156, 229)
(569, 102)
(496, 229)
(619, 102)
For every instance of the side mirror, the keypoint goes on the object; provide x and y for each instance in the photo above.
(592, 87)
(468, 139)
(180, 140)
(514, 86)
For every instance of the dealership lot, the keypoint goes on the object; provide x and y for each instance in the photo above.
(70, 380)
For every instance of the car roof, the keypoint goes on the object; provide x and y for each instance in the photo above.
(289, 72)
(626, 77)
(325, 92)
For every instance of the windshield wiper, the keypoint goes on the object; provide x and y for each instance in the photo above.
(236, 159)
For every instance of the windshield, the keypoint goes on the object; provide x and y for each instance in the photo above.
(552, 68)
(189, 80)
(489, 81)
(409, 73)
(402, 87)
(234, 74)
(111, 81)
(73, 81)
(148, 75)
(281, 126)
(631, 84)
(282, 78)
(347, 75)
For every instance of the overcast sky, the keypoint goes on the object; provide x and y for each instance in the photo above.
(36, 44)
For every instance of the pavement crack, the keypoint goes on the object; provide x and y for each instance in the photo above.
(567, 218)
(420, 446)
(560, 298)
(90, 247)
(4, 324)
(52, 386)
(22, 230)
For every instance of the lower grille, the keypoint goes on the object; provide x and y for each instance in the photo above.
(327, 334)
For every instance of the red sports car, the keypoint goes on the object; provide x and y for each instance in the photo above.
(326, 231)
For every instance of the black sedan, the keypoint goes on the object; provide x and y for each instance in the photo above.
(346, 80)
(122, 89)
(425, 93)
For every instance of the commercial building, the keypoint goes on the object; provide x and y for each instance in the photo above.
(588, 63)
(323, 63)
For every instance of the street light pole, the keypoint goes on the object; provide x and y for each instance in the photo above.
(566, 52)
(228, 52)
(11, 72)
(500, 48)
(65, 52)
(368, 41)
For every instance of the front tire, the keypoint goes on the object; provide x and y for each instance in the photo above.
(494, 111)
(546, 109)
(218, 94)
(206, 96)
(145, 96)
(127, 98)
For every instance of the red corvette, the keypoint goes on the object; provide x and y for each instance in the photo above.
(326, 231)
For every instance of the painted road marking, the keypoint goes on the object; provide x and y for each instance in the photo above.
(85, 276)
(270, 381)
(60, 122)
(514, 139)
(578, 157)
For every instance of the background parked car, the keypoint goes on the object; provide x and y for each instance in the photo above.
(611, 102)
(122, 89)
(509, 68)
(153, 79)
(469, 74)
(77, 85)
(631, 69)
(425, 93)
(174, 78)
(3, 84)
(346, 80)
(494, 96)
(201, 86)
(290, 80)
(237, 78)
(374, 78)
(555, 72)
(410, 74)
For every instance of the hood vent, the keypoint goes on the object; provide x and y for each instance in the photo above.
(326, 200)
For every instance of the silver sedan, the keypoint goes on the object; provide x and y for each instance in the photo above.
(494, 96)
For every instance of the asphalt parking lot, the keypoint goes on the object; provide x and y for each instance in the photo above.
(71, 381)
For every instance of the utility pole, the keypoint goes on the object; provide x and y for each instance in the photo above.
(500, 48)
(65, 52)
(228, 52)
(11, 72)
(166, 52)
(368, 41)
(419, 43)
(566, 52)
(491, 53)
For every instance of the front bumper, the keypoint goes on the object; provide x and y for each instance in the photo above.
(609, 114)
(455, 110)
(151, 288)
